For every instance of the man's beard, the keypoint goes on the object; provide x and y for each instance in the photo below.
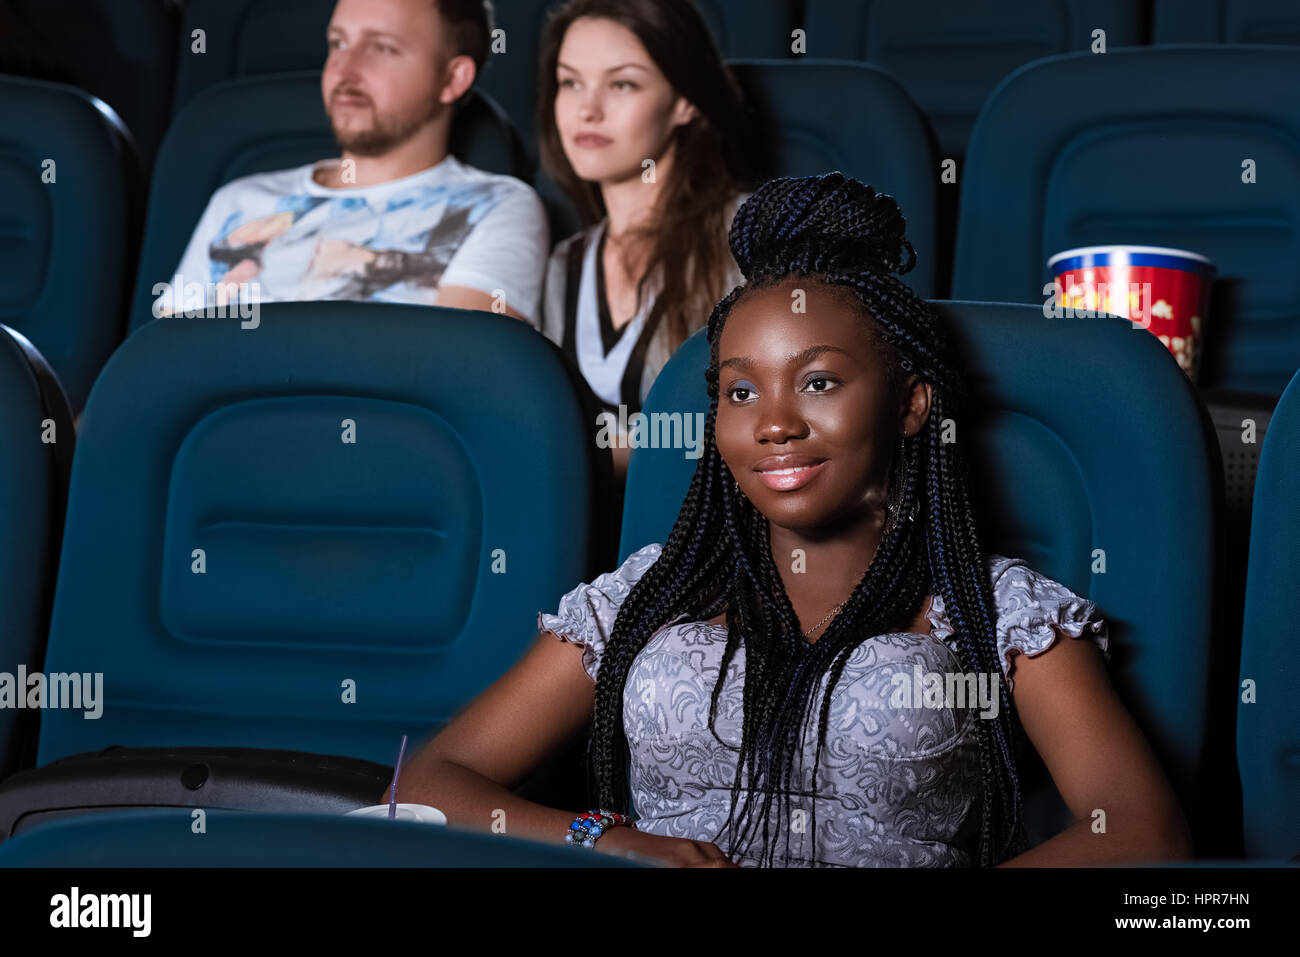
(387, 133)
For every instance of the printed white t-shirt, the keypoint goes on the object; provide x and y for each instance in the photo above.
(400, 241)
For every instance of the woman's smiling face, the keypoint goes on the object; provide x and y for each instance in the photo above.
(808, 421)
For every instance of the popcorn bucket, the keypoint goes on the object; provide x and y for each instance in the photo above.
(1166, 291)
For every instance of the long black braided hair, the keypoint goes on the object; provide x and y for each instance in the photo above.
(841, 232)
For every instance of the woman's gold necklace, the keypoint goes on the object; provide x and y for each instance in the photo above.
(829, 615)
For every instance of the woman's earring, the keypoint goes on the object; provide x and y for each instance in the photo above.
(895, 506)
(909, 466)
(892, 505)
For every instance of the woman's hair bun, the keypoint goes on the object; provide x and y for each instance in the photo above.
(819, 224)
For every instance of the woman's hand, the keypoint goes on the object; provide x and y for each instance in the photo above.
(674, 851)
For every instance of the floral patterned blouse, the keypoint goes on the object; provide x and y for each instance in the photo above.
(899, 779)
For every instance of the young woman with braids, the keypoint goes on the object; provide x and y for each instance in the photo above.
(744, 672)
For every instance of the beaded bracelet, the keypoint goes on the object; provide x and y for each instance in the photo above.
(590, 825)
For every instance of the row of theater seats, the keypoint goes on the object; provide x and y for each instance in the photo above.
(949, 54)
(1139, 146)
(310, 538)
(166, 838)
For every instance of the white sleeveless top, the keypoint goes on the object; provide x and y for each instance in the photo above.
(603, 371)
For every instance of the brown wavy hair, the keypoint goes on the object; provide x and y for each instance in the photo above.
(686, 241)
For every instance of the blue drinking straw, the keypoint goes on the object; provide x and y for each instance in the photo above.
(392, 793)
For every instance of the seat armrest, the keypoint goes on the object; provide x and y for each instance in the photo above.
(244, 779)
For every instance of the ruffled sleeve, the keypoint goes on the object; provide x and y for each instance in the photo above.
(586, 614)
(1031, 607)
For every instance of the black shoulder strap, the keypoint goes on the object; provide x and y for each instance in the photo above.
(630, 387)
(577, 249)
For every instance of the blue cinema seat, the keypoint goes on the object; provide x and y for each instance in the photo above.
(1147, 147)
(269, 123)
(1084, 435)
(950, 54)
(67, 225)
(1268, 727)
(121, 51)
(799, 129)
(165, 838)
(1227, 21)
(751, 28)
(246, 38)
(315, 535)
(36, 443)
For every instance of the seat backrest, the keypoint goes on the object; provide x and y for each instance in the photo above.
(121, 51)
(36, 444)
(67, 225)
(1268, 721)
(752, 28)
(271, 123)
(317, 534)
(1073, 422)
(800, 130)
(1226, 21)
(950, 54)
(162, 838)
(510, 76)
(1160, 147)
(246, 38)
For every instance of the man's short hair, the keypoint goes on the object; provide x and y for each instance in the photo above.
(468, 25)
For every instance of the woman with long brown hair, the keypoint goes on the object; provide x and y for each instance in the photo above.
(642, 126)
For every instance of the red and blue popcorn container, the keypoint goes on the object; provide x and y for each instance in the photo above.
(1166, 291)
